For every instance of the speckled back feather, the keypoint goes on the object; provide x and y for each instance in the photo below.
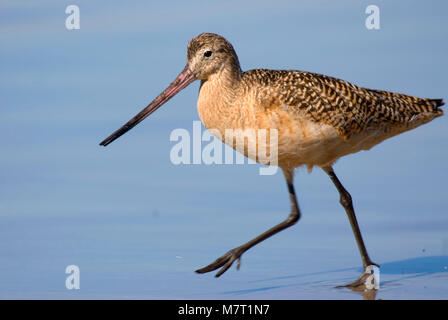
(348, 108)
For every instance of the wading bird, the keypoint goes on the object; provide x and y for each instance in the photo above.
(319, 119)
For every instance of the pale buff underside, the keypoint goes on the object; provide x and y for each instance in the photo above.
(300, 141)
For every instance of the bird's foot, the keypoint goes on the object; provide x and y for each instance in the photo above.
(225, 261)
(367, 280)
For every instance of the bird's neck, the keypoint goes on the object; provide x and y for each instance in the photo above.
(229, 75)
(217, 96)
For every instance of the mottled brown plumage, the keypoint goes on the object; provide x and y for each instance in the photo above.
(318, 119)
(348, 108)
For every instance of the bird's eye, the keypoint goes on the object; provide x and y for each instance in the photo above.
(207, 53)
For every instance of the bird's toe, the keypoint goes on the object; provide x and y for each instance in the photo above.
(224, 262)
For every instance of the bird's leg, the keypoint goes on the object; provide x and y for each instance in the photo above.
(225, 261)
(346, 201)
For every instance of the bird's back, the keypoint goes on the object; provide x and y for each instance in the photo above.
(350, 109)
(321, 118)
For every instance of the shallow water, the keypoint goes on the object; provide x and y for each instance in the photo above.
(153, 256)
(138, 226)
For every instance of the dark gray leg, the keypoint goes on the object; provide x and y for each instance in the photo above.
(225, 261)
(346, 201)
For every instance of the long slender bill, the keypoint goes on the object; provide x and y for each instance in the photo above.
(181, 81)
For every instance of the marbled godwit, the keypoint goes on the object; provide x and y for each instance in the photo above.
(319, 119)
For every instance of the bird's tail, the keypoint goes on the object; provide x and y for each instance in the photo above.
(424, 111)
(436, 104)
(410, 104)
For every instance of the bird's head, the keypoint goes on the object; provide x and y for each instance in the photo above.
(207, 54)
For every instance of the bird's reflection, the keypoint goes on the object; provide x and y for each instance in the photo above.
(369, 294)
(406, 269)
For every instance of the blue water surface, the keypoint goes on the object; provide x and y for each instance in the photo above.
(138, 226)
